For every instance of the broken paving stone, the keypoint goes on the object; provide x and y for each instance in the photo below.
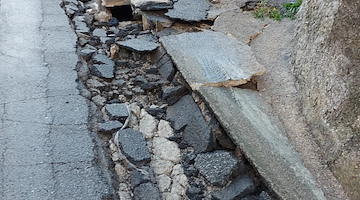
(117, 111)
(214, 59)
(139, 45)
(103, 59)
(103, 71)
(109, 127)
(217, 167)
(133, 145)
(147, 191)
(172, 94)
(155, 20)
(240, 187)
(152, 4)
(198, 135)
(189, 10)
(98, 32)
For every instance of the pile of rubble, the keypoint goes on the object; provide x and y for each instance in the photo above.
(164, 141)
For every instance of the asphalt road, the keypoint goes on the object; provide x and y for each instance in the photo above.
(46, 149)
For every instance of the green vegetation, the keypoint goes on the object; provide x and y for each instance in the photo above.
(288, 10)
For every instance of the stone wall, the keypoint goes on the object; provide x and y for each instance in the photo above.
(327, 67)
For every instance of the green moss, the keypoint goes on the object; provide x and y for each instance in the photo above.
(288, 10)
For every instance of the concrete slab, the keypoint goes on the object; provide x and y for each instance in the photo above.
(189, 10)
(212, 58)
(247, 26)
(138, 45)
(245, 118)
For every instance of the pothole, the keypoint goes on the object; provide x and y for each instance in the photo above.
(122, 13)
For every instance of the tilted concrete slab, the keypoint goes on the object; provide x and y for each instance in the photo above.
(245, 118)
(212, 59)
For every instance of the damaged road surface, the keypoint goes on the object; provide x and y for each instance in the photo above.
(46, 149)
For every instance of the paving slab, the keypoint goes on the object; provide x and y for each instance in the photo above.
(189, 10)
(245, 118)
(212, 58)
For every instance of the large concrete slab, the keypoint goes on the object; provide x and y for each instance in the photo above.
(245, 118)
(212, 58)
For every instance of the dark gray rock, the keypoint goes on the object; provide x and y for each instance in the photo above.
(103, 71)
(182, 112)
(189, 10)
(217, 167)
(198, 134)
(240, 187)
(186, 115)
(133, 146)
(194, 193)
(117, 111)
(87, 52)
(139, 45)
(109, 127)
(167, 70)
(143, 175)
(264, 196)
(146, 191)
(172, 94)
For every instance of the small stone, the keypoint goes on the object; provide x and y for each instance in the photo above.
(164, 129)
(166, 150)
(93, 83)
(167, 70)
(148, 124)
(191, 171)
(164, 182)
(87, 52)
(161, 166)
(99, 100)
(177, 188)
(264, 196)
(194, 193)
(117, 111)
(99, 32)
(121, 171)
(217, 167)
(172, 94)
(139, 45)
(103, 59)
(133, 145)
(157, 112)
(240, 187)
(119, 82)
(172, 196)
(146, 191)
(110, 127)
(141, 176)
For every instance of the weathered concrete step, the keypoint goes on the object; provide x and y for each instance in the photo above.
(208, 60)
(212, 58)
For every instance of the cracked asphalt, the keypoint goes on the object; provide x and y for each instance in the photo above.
(46, 149)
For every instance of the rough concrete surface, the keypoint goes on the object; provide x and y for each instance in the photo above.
(246, 119)
(47, 151)
(189, 10)
(212, 58)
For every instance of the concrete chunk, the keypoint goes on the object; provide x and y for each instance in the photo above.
(189, 10)
(240, 187)
(262, 140)
(113, 3)
(212, 59)
(139, 45)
